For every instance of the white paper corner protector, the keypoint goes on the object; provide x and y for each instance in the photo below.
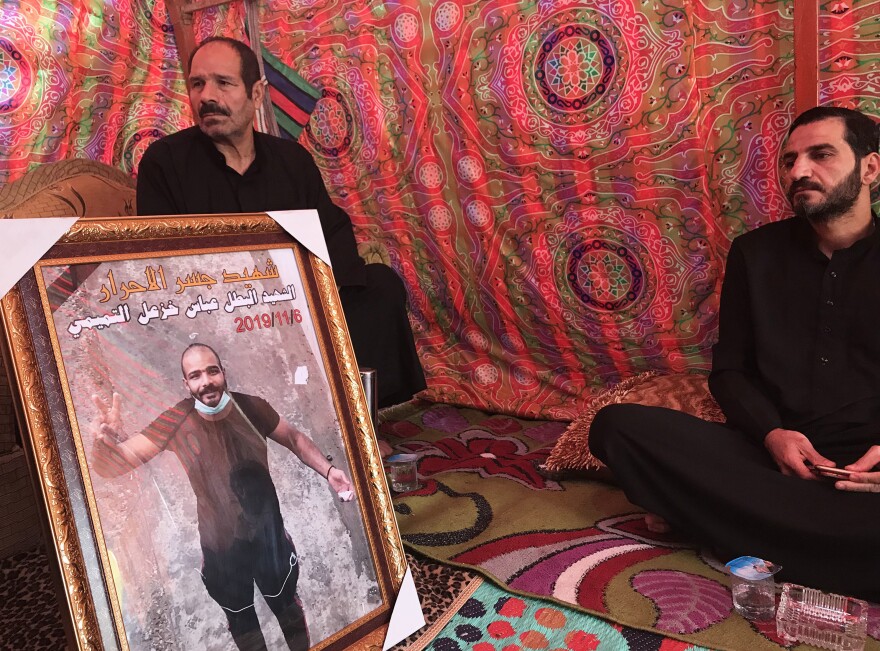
(301, 375)
(305, 227)
(24, 243)
(407, 616)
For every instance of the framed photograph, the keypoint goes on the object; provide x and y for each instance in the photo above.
(194, 413)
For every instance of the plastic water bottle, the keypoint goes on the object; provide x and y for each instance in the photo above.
(829, 621)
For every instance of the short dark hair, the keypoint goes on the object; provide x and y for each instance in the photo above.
(198, 345)
(860, 132)
(250, 67)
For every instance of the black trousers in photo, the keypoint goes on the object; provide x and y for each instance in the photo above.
(272, 565)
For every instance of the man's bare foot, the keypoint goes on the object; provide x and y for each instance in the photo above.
(384, 449)
(656, 524)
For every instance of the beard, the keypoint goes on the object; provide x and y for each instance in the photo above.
(836, 203)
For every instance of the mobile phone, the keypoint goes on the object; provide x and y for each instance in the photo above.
(831, 471)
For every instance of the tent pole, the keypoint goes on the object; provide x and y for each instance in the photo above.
(806, 55)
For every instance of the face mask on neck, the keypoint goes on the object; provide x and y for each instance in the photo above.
(202, 408)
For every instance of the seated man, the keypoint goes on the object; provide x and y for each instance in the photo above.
(224, 166)
(796, 371)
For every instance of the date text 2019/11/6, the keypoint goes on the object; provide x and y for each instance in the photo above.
(267, 320)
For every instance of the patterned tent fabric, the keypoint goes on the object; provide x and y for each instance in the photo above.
(556, 182)
(98, 80)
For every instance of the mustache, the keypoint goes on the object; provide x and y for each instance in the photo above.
(804, 184)
(212, 388)
(212, 108)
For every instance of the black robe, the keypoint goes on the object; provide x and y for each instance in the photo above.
(797, 349)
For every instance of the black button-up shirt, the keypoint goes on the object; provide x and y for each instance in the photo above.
(185, 174)
(798, 343)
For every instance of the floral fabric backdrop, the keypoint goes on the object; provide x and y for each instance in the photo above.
(85, 79)
(557, 182)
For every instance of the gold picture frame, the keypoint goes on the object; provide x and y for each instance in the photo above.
(108, 311)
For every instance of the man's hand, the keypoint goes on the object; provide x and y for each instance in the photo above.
(863, 480)
(338, 481)
(304, 448)
(111, 455)
(108, 457)
(109, 422)
(791, 451)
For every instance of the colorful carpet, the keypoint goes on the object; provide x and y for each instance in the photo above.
(495, 620)
(484, 505)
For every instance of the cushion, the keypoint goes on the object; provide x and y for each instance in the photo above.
(687, 392)
(69, 188)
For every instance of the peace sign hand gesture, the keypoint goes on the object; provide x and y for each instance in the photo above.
(109, 422)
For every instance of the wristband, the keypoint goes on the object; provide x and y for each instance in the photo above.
(327, 476)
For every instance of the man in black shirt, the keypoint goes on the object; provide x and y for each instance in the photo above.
(220, 438)
(223, 166)
(796, 370)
